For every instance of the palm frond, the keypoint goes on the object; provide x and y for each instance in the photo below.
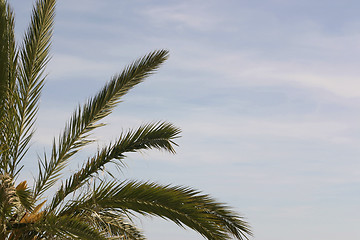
(37, 226)
(6, 25)
(7, 50)
(8, 63)
(86, 119)
(65, 227)
(184, 206)
(34, 55)
(115, 226)
(154, 135)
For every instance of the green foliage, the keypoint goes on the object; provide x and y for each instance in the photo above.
(77, 211)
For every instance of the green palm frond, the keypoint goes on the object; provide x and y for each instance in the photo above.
(148, 136)
(34, 55)
(8, 63)
(6, 27)
(86, 119)
(114, 225)
(4, 69)
(66, 227)
(55, 227)
(184, 206)
(7, 51)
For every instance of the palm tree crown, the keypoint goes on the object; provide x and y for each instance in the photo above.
(77, 211)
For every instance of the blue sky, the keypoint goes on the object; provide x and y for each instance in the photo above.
(267, 94)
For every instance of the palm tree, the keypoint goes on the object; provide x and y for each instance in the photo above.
(81, 209)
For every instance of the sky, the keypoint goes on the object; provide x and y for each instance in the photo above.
(267, 94)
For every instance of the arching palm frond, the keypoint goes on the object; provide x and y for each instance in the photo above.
(86, 119)
(114, 225)
(69, 226)
(55, 227)
(155, 135)
(182, 205)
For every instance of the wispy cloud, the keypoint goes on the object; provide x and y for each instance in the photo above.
(193, 15)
